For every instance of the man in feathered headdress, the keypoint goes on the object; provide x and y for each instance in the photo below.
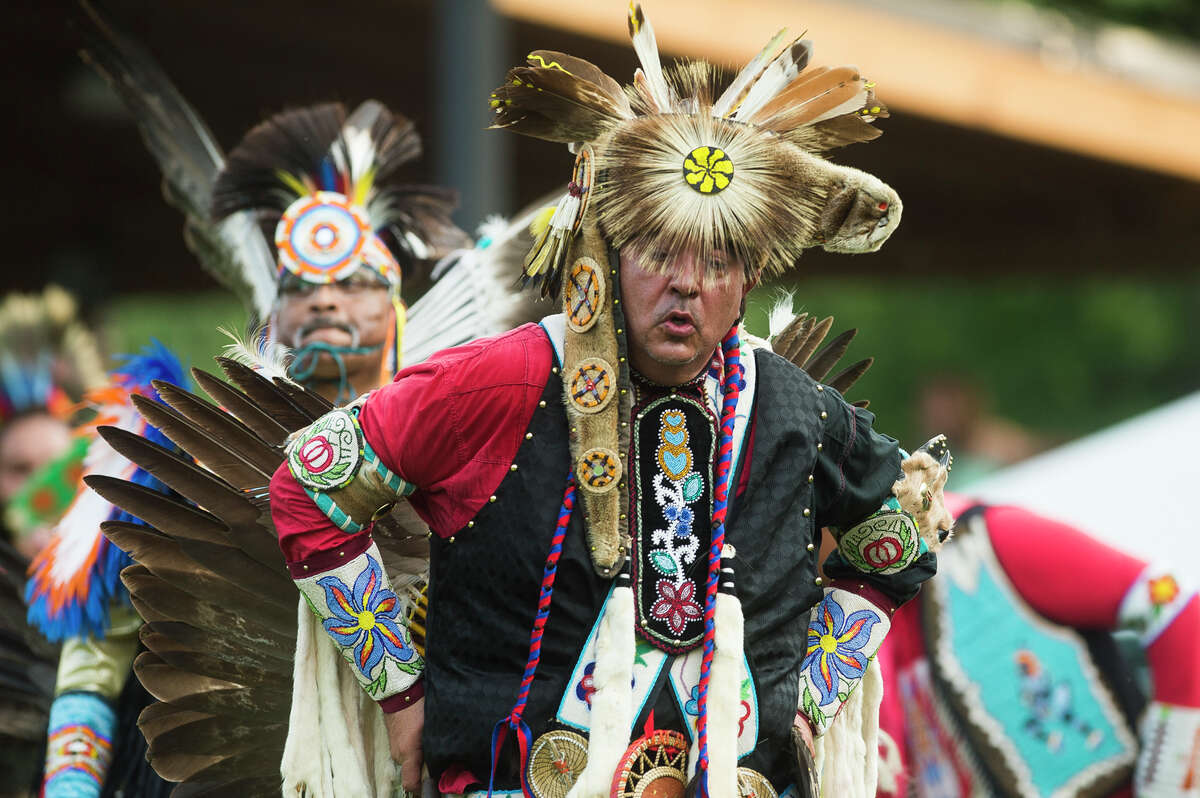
(593, 483)
(325, 187)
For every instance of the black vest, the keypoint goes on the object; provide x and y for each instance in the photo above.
(484, 586)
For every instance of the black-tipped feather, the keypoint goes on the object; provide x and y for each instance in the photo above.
(312, 403)
(233, 434)
(231, 466)
(159, 510)
(263, 393)
(244, 410)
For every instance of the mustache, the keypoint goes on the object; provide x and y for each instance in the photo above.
(681, 308)
(323, 323)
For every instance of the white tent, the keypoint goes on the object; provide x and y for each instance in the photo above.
(1131, 485)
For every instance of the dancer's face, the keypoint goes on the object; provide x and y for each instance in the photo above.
(675, 319)
(26, 444)
(356, 311)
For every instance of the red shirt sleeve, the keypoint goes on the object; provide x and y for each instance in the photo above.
(1046, 561)
(450, 426)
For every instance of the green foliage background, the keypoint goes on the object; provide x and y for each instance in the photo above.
(1060, 357)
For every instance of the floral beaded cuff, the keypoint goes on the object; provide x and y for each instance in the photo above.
(886, 542)
(336, 466)
(844, 632)
(367, 622)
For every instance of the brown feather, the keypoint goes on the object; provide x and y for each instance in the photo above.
(232, 433)
(168, 560)
(170, 685)
(845, 379)
(247, 787)
(236, 403)
(166, 602)
(267, 584)
(793, 335)
(221, 735)
(212, 454)
(823, 361)
(225, 647)
(182, 476)
(175, 654)
(829, 134)
(159, 510)
(814, 338)
(584, 70)
(248, 703)
(263, 393)
(312, 404)
(576, 109)
(244, 520)
(232, 769)
(805, 87)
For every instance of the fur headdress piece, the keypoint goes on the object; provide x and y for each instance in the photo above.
(676, 162)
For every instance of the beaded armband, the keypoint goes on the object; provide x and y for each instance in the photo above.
(844, 632)
(333, 462)
(79, 749)
(367, 622)
(1152, 603)
(1167, 762)
(886, 542)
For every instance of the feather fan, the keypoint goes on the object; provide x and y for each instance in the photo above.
(212, 585)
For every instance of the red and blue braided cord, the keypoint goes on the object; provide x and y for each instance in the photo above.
(514, 721)
(731, 387)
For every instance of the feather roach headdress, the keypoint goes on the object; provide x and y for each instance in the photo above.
(326, 187)
(676, 162)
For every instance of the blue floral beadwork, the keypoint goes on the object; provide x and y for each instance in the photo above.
(365, 619)
(835, 643)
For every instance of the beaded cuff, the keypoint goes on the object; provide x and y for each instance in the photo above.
(886, 542)
(1167, 763)
(79, 749)
(844, 632)
(367, 622)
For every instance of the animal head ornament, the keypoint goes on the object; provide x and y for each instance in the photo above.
(676, 161)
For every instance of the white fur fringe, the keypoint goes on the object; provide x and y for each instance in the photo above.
(612, 703)
(847, 755)
(337, 744)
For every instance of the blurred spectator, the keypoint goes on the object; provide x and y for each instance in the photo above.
(982, 442)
